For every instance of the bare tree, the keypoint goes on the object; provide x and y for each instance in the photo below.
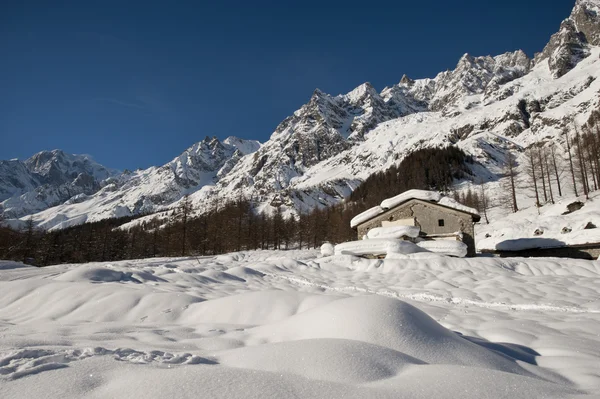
(556, 169)
(590, 145)
(484, 200)
(532, 171)
(571, 167)
(542, 173)
(580, 158)
(511, 173)
(546, 164)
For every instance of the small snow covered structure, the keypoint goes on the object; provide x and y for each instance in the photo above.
(438, 217)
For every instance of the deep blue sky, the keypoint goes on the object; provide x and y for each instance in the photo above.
(134, 84)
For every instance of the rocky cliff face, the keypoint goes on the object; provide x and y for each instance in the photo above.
(572, 42)
(47, 179)
(318, 155)
(328, 126)
(53, 178)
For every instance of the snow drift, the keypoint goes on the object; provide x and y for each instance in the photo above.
(292, 323)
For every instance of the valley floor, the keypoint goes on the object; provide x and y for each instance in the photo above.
(293, 324)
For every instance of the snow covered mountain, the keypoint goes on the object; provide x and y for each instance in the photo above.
(486, 105)
(47, 179)
(148, 190)
(317, 156)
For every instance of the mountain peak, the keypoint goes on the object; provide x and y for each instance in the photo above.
(465, 59)
(318, 93)
(406, 80)
(586, 18)
(364, 90)
(244, 146)
(571, 43)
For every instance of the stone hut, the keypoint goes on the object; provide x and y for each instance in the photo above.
(439, 217)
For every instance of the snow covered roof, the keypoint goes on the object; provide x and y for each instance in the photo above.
(423, 195)
(366, 215)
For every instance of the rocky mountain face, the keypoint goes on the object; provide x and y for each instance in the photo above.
(322, 128)
(317, 156)
(102, 195)
(572, 42)
(47, 179)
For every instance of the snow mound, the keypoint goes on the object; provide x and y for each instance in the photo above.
(377, 246)
(327, 249)
(394, 232)
(244, 272)
(446, 247)
(389, 323)
(6, 265)
(337, 360)
(298, 325)
(219, 276)
(96, 274)
(253, 308)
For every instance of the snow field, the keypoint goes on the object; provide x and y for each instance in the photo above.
(281, 324)
(548, 226)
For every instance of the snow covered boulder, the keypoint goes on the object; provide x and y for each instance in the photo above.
(377, 246)
(327, 249)
(394, 232)
(445, 247)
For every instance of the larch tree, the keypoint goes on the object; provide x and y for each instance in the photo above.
(571, 165)
(484, 200)
(580, 161)
(556, 169)
(511, 173)
(546, 165)
(542, 173)
(532, 171)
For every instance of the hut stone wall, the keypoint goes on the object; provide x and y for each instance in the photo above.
(432, 218)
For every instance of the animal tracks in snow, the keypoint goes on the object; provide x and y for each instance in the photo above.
(23, 362)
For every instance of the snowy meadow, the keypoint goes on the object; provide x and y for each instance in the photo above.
(295, 324)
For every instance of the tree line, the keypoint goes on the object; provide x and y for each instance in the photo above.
(235, 225)
(426, 169)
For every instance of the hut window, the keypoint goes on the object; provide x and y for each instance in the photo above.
(441, 222)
